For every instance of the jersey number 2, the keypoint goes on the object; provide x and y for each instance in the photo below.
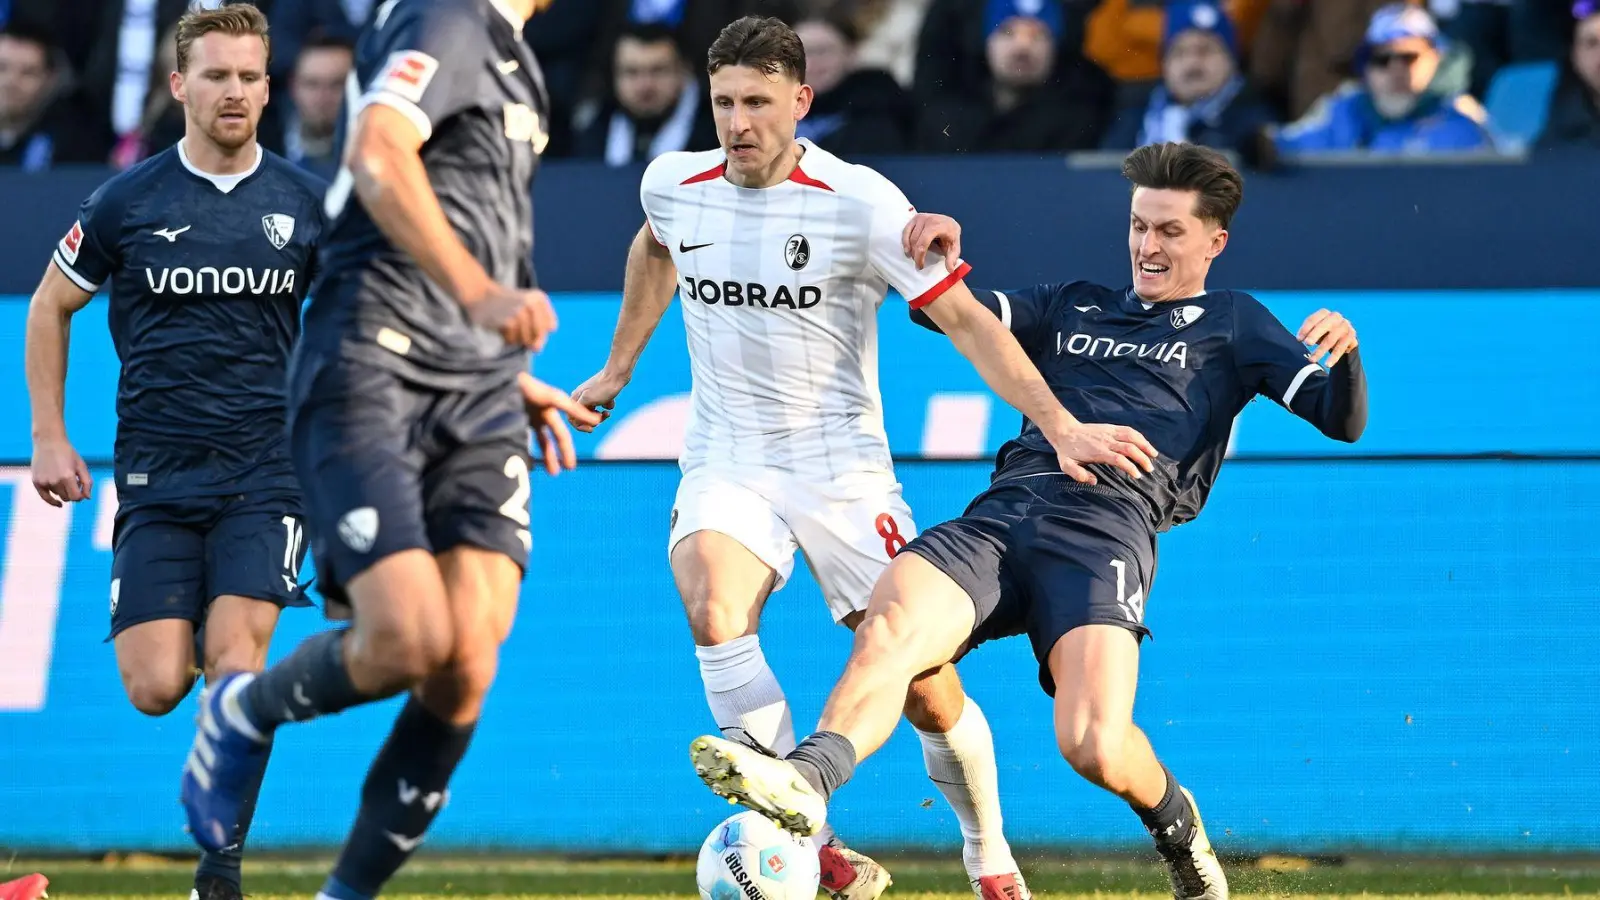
(516, 506)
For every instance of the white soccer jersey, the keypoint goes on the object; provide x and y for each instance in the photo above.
(780, 289)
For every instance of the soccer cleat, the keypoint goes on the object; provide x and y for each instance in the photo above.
(755, 780)
(28, 887)
(1001, 887)
(1193, 868)
(848, 875)
(222, 761)
(210, 887)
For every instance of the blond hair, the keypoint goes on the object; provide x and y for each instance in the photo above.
(234, 19)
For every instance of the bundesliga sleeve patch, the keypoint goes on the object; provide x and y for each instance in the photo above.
(72, 243)
(407, 74)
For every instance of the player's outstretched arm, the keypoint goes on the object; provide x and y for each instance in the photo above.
(647, 288)
(1006, 368)
(1326, 386)
(59, 473)
(386, 163)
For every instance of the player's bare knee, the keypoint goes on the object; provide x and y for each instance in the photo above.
(156, 694)
(1098, 755)
(935, 700)
(720, 616)
(399, 654)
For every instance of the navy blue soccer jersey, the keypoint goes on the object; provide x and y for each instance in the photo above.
(207, 275)
(1178, 372)
(460, 71)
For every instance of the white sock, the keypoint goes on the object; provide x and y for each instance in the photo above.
(961, 763)
(746, 699)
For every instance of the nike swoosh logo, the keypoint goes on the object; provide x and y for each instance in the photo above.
(405, 844)
(172, 236)
(685, 248)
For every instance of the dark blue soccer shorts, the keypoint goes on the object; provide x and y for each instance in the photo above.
(171, 558)
(1043, 555)
(389, 465)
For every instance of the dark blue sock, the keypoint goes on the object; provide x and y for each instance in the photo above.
(826, 759)
(406, 787)
(224, 863)
(312, 681)
(1171, 821)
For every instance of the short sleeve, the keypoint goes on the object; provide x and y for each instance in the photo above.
(1272, 362)
(890, 213)
(653, 200)
(89, 251)
(425, 62)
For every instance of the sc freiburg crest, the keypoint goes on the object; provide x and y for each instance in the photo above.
(797, 251)
(279, 229)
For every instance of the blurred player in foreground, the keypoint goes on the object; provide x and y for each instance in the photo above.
(410, 407)
(208, 249)
(28, 887)
(783, 253)
(1066, 562)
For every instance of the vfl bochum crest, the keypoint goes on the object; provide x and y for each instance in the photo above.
(1187, 315)
(279, 229)
(797, 251)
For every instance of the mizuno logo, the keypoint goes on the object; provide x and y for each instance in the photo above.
(686, 248)
(1087, 308)
(171, 235)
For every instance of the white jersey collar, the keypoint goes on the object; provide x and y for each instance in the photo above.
(223, 183)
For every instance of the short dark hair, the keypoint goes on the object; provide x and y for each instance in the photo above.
(322, 39)
(28, 33)
(1189, 167)
(839, 22)
(234, 19)
(759, 42)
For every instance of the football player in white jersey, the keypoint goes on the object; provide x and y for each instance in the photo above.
(782, 254)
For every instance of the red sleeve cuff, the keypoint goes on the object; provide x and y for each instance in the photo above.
(937, 291)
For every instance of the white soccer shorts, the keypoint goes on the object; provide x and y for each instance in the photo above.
(848, 528)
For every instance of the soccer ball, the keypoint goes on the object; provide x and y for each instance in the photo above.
(748, 857)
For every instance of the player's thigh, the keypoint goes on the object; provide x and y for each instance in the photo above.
(238, 633)
(849, 530)
(729, 550)
(1096, 672)
(352, 439)
(254, 550)
(157, 601)
(919, 618)
(1083, 563)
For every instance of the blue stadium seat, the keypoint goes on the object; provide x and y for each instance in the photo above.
(1518, 100)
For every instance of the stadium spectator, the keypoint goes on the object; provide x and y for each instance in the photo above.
(318, 90)
(1202, 98)
(1395, 109)
(563, 40)
(121, 73)
(1024, 109)
(857, 111)
(888, 30)
(952, 53)
(1125, 37)
(1304, 48)
(160, 122)
(72, 25)
(1492, 33)
(297, 22)
(656, 104)
(1575, 108)
(695, 23)
(36, 133)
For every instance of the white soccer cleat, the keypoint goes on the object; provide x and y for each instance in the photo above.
(848, 875)
(1001, 887)
(766, 784)
(1194, 870)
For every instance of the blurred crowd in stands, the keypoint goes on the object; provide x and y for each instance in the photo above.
(86, 81)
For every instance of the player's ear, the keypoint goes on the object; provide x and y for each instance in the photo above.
(1219, 242)
(802, 102)
(175, 82)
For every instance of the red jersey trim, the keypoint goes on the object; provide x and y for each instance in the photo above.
(798, 176)
(705, 176)
(938, 290)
